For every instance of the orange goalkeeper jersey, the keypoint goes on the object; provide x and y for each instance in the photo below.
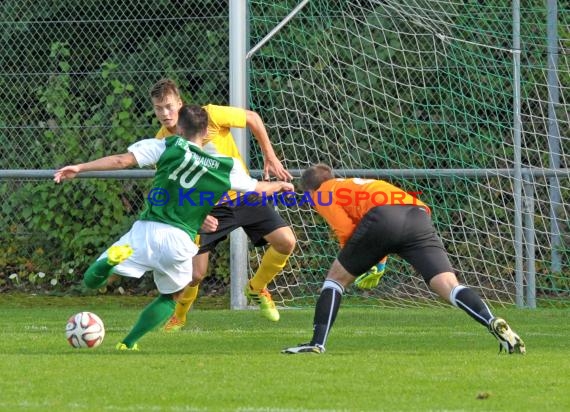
(343, 202)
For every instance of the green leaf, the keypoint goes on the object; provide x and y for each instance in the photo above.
(59, 111)
(126, 102)
(27, 212)
(64, 66)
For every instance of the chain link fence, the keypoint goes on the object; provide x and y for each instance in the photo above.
(360, 84)
(74, 80)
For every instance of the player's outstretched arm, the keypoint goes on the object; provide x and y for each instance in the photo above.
(240, 181)
(115, 162)
(271, 164)
(67, 172)
(272, 187)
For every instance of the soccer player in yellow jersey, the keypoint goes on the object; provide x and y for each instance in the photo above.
(372, 219)
(261, 223)
(161, 240)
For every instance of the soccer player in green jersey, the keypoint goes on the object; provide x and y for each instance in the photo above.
(261, 223)
(187, 184)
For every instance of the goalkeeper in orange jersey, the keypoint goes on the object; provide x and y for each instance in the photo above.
(261, 223)
(372, 219)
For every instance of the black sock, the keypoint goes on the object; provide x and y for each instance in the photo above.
(466, 299)
(326, 311)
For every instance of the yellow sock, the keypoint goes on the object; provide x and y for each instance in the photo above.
(271, 264)
(185, 301)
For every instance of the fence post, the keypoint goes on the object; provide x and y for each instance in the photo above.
(553, 133)
(529, 240)
(238, 239)
(517, 161)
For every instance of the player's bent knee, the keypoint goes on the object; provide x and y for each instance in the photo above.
(197, 278)
(443, 283)
(199, 268)
(284, 242)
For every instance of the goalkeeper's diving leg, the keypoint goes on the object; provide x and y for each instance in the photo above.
(326, 309)
(447, 286)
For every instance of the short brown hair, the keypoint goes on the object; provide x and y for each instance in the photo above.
(315, 175)
(162, 88)
(192, 121)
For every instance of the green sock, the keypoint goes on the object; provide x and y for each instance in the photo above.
(97, 274)
(155, 314)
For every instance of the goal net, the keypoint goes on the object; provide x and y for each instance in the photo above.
(425, 94)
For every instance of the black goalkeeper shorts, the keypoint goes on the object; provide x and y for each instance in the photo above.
(256, 216)
(407, 231)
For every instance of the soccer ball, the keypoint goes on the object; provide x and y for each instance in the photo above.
(85, 330)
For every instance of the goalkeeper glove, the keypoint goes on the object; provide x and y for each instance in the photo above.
(371, 278)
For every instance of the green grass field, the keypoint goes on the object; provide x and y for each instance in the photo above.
(376, 359)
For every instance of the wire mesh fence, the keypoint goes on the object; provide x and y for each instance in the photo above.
(74, 83)
(359, 84)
